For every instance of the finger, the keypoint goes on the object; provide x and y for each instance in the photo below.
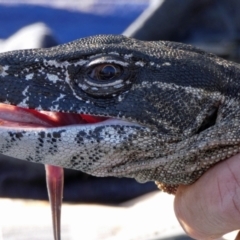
(210, 207)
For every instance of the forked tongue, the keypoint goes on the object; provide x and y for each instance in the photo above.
(55, 175)
(11, 116)
(55, 181)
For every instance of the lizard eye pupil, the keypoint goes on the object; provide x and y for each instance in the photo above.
(105, 72)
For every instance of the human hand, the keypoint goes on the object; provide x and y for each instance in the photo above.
(210, 207)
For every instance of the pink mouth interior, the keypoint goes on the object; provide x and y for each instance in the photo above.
(12, 116)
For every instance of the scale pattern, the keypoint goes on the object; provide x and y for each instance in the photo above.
(172, 109)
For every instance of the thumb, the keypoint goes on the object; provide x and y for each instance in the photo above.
(210, 207)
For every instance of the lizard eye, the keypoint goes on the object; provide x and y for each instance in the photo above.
(105, 76)
(105, 72)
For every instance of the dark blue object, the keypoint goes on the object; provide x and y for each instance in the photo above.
(66, 25)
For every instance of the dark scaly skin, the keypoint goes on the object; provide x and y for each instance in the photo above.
(179, 106)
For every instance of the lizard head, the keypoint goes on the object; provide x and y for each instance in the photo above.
(112, 105)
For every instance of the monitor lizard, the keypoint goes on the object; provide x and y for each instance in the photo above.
(161, 111)
(110, 105)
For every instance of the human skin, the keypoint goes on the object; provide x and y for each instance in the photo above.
(210, 207)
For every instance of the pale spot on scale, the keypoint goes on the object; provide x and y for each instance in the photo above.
(3, 70)
(39, 108)
(166, 64)
(191, 167)
(6, 102)
(29, 76)
(53, 78)
(94, 89)
(24, 92)
(118, 86)
(120, 98)
(55, 108)
(127, 56)
(114, 53)
(59, 98)
(95, 55)
(24, 102)
(83, 86)
(139, 63)
(80, 62)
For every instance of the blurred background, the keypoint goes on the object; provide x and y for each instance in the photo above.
(70, 19)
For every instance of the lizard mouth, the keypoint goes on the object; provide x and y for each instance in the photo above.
(17, 117)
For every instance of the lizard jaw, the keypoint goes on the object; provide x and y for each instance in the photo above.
(17, 117)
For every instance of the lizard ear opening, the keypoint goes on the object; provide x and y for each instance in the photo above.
(209, 120)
